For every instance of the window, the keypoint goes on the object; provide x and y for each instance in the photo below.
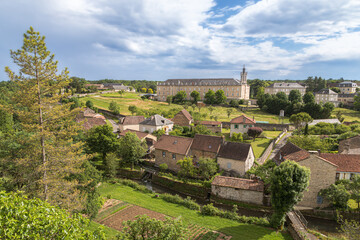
(228, 165)
(236, 126)
(250, 125)
(337, 176)
(174, 156)
(164, 154)
(352, 175)
(319, 200)
(245, 126)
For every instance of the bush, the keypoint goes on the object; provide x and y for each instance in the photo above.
(134, 185)
(163, 167)
(340, 128)
(210, 210)
(187, 202)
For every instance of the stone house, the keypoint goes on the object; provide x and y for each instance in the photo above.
(214, 126)
(130, 122)
(350, 145)
(90, 119)
(170, 149)
(322, 172)
(205, 146)
(241, 124)
(183, 118)
(148, 138)
(156, 122)
(236, 157)
(326, 95)
(285, 87)
(347, 98)
(238, 189)
(348, 87)
(348, 165)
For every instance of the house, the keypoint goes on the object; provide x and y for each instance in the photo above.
(348, 87)
(90, 119)
(236, 157)
(347, 98)
(233, 88)
(183, 118)
(214, 126)
(205, 146)
(285, 87)
(96, 86)
(170, 149)
(149, 139)
(350, 145)
(119, 87)
(330, 120)
(241, 124)
(326, 95)
(238, 189)
(155, 123)
(130, 122)
(348, 164)
(322, 172)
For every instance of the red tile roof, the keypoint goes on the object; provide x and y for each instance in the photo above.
(139, 134)
(241, 183)
(210, 122)
(174, 144)
(243, 119)
(291, 152)
(345, 162)
(89, 123)
(131, 120)
(186, 114)
(207, 143)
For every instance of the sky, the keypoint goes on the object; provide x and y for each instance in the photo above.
(162, 39)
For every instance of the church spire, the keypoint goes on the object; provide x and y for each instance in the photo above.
(243, 76)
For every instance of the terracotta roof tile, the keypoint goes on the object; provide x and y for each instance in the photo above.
(131, 120)
(240, 183)
(207, 143)
(89, 123)
(174, 144)
(139, 134)
(235, 150)
(345, 162)
(291, 152)
(243, 119)
(186, 114)
(210, 122)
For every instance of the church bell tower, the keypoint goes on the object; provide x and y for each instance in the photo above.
(243, 76)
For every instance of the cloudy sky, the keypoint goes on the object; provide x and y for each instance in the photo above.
(161, 39)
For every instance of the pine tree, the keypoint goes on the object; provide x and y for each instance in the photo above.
(49, 151)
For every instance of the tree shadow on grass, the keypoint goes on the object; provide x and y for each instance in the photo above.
(251, 232)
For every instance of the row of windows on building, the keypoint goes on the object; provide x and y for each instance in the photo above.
(236, 126)
(173, 155)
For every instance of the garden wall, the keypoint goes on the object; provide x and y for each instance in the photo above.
(188, 189)
(267, 126)
(130, 174)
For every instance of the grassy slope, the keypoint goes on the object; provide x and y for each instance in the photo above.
(229, 227)
(348, 114)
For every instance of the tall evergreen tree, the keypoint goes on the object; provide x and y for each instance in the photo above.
(49, 154)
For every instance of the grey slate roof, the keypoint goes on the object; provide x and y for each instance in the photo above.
(347, 84)
(326, 91)
(202, 82)
(285, 85)
(156, 120)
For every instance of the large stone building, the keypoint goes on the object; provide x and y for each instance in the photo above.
(348, 87)
(233, 88)
(326, 95)
(285, 87)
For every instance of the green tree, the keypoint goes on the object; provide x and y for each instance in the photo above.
(354, 188)
(340, 116)
(236, 137)
(300, 119)
(24, 218)
(282, 96)
(209, 97)
(121, 92)
(195, 95)
(169, 99)
(50, 124)
(158, 133)
(357, 102)
(179, 97)
(295, 96)
(187, 168)
(143, 90)
(201, 129)
(207, 167)
(211, 109)
(114, 107)
(288, 181)
(254, 132)
(6, 121)
(309, 98)
(350, 228)
(111, 163)
(220, 97)
(146, 228)
(77, 83)
(131, 149)
(133, 109)
(264, 172)
(101, 139)
(89, 104)
(229, 111)
(337, 194)
(150, 91)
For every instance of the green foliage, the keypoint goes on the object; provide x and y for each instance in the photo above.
(314, 143)
(264, 171)
(163, 167)
(169, 99)
(179, 97)
(134, 185)
(229, 111)
(351, 228)
(6, 121)
(300, 119)
(237, 137)
(131, 148)
(309, 98)
(220, 97)
(133, 109)
(295, 96)
(337, 194)
(158, 133)
(150, 91)
(75, 103)
(78, 84)
(195, 95)
(187, 202)
(101, 139)
(89, 104)
(146, 228)
(207, 167)
(254, 132)
(357, 102)
(354, 188)
(209, 97)
(23, 218)
(110, 165)
(233, 103)
(114, 107)
(288, 181)
(187, 168)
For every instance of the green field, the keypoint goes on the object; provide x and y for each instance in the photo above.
(226, 226)
(348, 114)
(127, 99)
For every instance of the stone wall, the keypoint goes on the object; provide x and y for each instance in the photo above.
(215, 129)
(168, 159)
(267, 126)
(204, 154)
(235, 165)
(181, 120)
(240, 195)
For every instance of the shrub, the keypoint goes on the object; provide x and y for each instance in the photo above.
(187, 202)
(134, 185)
(210, 210)
(340, 128)
(163, 167)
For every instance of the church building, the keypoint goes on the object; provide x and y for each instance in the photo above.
(233, 88)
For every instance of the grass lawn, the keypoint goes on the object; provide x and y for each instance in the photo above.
(226, 226)
(127, 99)
(348, 114)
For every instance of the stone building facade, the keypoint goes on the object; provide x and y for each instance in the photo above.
(238, 189)
(326, 95)
(183, 118)
(347, 87)
(285, 87)
(155, 123)
(205, 146)
(130, 122)
(241, 124)
(233, 88)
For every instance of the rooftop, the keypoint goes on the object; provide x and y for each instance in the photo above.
(243, 119)
(139, 134)
(156, 120)
(235, 150)
(285, 85)
(174, 144)
(207, 143)
(291, 152)
(331, 120)
(131, 120)
(326, 91)
(345, 162)
(240, 183)
(202, 82)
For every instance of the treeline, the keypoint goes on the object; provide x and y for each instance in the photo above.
(137, 84)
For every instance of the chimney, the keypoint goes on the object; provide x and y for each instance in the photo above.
(319, 151)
